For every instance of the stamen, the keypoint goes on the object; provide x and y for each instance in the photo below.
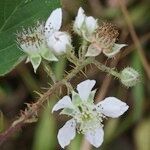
(106, 36)
(31, 37)
(108, 30)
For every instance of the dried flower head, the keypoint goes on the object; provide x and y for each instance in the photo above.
(106, 35)
(104, 41)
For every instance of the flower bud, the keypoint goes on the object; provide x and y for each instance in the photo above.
(59, 42)
(129, 77)
(85, 26)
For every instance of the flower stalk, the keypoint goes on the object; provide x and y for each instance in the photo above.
(106, 69)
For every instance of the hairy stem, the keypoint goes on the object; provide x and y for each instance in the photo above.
(106, 69)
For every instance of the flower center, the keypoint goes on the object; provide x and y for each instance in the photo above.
(31, 36)
(106, 36)
(88, 118)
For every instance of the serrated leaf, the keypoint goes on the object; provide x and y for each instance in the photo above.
(13, 16)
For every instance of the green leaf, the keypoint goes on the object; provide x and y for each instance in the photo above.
(13, 16)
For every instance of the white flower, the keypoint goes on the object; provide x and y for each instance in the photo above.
(85, 26)
(87, 117)
(32, 41)
(57, 41)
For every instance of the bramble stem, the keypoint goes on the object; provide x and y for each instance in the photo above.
(106, 69)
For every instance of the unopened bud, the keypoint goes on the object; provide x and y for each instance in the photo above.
(59, 42)
(129, 77)
(85, 26)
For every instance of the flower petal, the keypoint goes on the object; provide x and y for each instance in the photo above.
(54, 22)
(67, 133)
(84, 89)
(95, 137)
(79, 20)
(65, 102)
(93, 51)
(112, 107)
(35, 60)
(91, 24)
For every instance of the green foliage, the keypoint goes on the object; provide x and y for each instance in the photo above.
(13, 16)
(44, 135)
(138, 90)
(142, 135)
(76, 143)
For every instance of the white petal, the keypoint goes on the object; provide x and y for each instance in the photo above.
(112, 107)
(80, 18)
(65, 102)
(95, 137)
(115, 49)
(79, 21)
(91, 24)
(84, 89)
(67, 133)
(54, 22)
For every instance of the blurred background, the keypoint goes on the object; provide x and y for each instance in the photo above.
(129, 132)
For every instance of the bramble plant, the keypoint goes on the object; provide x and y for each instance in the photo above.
(45, 42)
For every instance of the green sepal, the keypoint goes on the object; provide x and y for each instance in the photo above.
(76, 100)
(68, 111)
(35, 61)
(91, 96)
(48, 55)
(115, 49)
